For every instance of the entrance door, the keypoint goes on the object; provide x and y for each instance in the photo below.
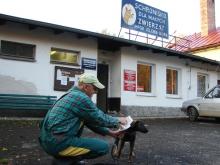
(103, 93)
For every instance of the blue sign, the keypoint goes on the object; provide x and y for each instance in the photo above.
(140, 17)
(88, 63)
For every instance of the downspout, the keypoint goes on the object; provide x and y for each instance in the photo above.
(190, 78)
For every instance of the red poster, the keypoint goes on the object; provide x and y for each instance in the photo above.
(129, 75)
(129, 80)
(129, 86)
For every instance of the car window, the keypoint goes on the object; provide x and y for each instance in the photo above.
(209, 95)
(216, 93)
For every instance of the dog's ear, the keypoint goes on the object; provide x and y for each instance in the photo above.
(134, 123)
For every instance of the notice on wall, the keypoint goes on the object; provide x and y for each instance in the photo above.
(65, 78)
(88, 63)
(129, 80)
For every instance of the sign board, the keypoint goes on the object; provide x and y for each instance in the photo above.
(140, 17)
(65, 78)
(88, 63)
(129, 80)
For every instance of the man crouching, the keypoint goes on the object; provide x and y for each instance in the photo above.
(61, 129)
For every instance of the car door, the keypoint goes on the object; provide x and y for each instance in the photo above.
(216, 102)
(210, 104)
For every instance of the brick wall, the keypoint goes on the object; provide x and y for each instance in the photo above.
(207, 12)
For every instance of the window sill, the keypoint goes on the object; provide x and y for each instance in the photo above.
(145, 94)
(173, 96)
(64, 63)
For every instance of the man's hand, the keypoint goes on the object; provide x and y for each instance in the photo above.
(115, 133)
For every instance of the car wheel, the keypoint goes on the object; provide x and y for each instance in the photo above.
(193, 114)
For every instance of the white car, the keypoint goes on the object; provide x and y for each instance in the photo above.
(206, 106)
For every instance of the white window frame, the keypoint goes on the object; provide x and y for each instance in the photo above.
(153, 80)
(179, 83)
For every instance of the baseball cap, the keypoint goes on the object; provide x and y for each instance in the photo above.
(89, 78)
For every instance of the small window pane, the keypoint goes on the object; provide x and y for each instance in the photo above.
(144, 78)
(172, 81)
(209, 95)
(201, 85)
(216, 93)
(64, 56)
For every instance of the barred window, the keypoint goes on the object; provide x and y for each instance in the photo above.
(17, 51)
(201, 84)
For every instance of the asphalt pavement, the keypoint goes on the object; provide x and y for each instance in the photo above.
(169, 142)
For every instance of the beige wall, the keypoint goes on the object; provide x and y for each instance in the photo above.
(211, 53)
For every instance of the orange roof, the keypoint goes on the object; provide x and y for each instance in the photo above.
(197, 42)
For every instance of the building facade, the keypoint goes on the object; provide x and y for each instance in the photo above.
(141, 80)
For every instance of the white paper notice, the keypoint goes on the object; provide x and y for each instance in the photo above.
(64, 80)
(76, 80)
(59, 74)
(129, 121)
(72, 79)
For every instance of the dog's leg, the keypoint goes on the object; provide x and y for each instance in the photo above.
(116, 141)
(120, 147)
(131, 153)
(114, 151)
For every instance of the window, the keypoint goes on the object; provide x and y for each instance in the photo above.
(64, 56)
(18, 51)
(201, 84)
(172, 81)
(209, 95)
(144, 78)
(216, 93)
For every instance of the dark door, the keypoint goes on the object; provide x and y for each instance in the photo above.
(103, 93)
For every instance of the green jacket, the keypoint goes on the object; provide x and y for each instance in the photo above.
(67, 118)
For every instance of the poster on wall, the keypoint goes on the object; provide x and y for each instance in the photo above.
(129, 80)
(65, 78)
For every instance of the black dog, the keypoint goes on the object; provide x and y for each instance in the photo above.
(129, 135)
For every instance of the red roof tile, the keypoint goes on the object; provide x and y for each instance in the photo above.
(196, 41)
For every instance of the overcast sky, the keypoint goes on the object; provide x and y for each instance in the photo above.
(97, 15)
